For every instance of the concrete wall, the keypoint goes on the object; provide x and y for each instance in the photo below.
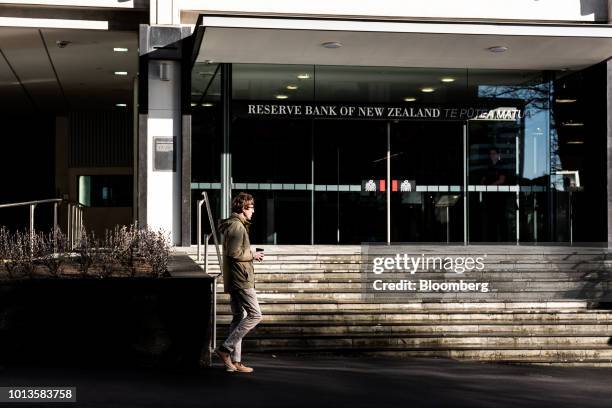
(530, 10)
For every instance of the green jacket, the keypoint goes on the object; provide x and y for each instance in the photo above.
(238, 270)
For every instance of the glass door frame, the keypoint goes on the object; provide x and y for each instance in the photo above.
(464, 185)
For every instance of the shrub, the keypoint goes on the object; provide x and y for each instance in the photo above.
(116, 251)
(6, 250)
(86, 252)
(155, 248)
(126, 244)
(53, 251)
(108, 253)
(22, 255)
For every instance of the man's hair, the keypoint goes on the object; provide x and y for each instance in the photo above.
(242, 201)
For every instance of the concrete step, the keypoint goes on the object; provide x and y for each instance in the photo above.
(547, 307)
(313, 302)
(357, 276)
(509, 253)
(356, 342)
(489, 265)
(558, 357)
(466, 328)
(433, 319)
(522, 285)
(334, 297)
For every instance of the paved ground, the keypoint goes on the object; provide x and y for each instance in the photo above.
(319, 381)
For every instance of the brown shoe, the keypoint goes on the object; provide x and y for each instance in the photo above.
(227, 361)
(241, 368)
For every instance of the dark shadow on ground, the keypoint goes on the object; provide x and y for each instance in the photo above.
(319, 381)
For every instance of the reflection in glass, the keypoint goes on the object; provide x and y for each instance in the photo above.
(517, 170)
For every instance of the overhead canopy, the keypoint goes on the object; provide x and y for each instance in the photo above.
(236, 39)
(37, 73)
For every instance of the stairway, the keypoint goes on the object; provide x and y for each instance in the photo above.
(311, 298)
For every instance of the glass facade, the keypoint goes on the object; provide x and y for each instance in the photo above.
(425, 155)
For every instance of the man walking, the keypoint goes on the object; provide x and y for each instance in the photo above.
(239, 281)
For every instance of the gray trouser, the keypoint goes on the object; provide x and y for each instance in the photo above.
(246, 315)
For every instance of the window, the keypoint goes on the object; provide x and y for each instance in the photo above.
(105, 191)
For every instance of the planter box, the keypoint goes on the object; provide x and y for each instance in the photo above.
(113, 321)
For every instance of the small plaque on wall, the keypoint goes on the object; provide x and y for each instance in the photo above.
(163, 153)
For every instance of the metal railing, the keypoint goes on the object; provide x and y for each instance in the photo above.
(74, 229)
(205, 200)
(75, 212)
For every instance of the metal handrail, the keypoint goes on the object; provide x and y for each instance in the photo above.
(24, 203)
(74, 229)
(74, 218)
(205, 200)
(32, 205)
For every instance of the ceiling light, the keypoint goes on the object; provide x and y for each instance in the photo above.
(120, 49)
(498, 48)
(332, 44)
(208, 104)
(121, 105)
(409, 99)
(205, 73)
(427, 90)
(576, 142)
(292, 87)
(121, 73)
(194, 104)
(303, 76)
(566, 100)
(572, 124)
(281, 97)
(448, 79)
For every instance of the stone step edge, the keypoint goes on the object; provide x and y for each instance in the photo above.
(391, 335)
(376, 312)
(312, 324)
(342, 281)
(458, 348)
(551, 361)
(225, 301)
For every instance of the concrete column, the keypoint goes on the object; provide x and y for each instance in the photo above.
(161, 129)
(164, 127)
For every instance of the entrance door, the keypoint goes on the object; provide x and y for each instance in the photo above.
(427, 182)
(345, 154)
(355, 200)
